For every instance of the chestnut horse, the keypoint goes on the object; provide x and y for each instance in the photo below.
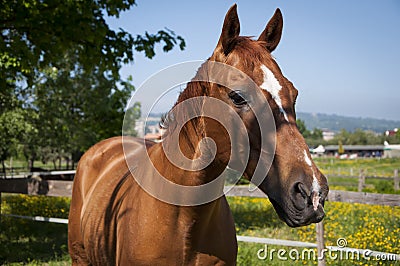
(114, 219)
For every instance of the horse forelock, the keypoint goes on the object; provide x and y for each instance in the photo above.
(244, 48)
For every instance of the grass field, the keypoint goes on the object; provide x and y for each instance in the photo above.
(363, 226)
(342, 174)
(383, 167)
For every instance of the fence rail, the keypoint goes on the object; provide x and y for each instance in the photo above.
(334, 195)
(362, 177)
(61, 174)
(32, 186)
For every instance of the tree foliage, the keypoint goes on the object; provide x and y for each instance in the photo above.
(393, 139)
(14, 126)
(59, 73)
(357, 137)
(302, 128)
(313, 138)
(34, 34)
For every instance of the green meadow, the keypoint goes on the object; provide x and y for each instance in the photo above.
(371, 227)
(343, 174)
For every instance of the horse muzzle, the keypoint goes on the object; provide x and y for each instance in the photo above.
(303, 205)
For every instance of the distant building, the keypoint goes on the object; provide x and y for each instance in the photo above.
(320, 150)
(327, 134)
(152, 129)
(360, 150)
(140, 127)
(148, 128)
(391, 151)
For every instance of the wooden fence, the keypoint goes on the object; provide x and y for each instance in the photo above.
(363, 176)
(36, 186)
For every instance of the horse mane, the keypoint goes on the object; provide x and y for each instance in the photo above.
(245, 50)
(197, 87)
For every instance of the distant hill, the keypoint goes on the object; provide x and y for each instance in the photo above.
(337, 122)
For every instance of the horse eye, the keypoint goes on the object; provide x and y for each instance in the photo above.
(237, 98)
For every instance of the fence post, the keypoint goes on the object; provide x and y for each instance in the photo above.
(320, 243)
(361, 180)
(396, 180)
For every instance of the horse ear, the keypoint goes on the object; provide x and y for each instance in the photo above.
(230, 30)
(273, 31)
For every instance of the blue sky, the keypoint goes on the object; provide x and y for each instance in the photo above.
(343, 56)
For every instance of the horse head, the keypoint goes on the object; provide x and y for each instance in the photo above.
(293, 183)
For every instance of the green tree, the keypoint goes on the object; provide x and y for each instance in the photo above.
(394, 139)
(312, 138)
(14, 127)
(358, 137)
(35, 34)
(315, 138)
(302, 128)
(59, 63)
(398, 136)
(74, 113)
(131, 115)
(316, 134)
(343, 136)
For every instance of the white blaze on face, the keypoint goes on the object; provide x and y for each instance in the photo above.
(315, 185)
(316, 197)
(307, 159)
(271, 84)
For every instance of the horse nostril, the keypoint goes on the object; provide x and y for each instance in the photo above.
(300, 188)
(304, 196)
(300, 196)
(324, 195)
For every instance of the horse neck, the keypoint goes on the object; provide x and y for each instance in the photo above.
(189, 139)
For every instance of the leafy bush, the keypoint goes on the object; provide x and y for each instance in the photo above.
(29, 242)
(57, 207)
